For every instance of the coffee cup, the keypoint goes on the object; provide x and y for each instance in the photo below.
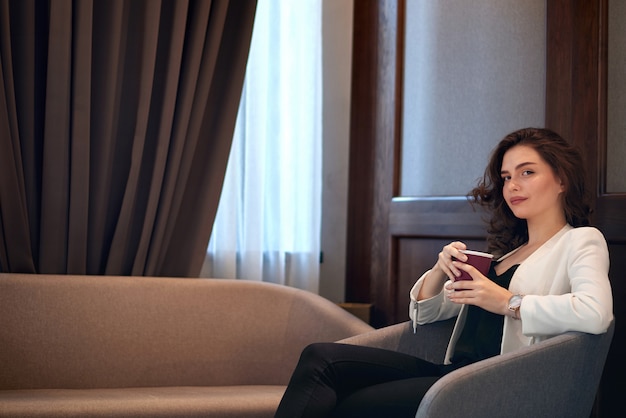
(481, 261)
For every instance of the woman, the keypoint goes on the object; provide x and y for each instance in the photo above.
(550, 276)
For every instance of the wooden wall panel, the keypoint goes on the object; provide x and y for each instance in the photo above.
(453, 218)
(419, 228)
(415, 256)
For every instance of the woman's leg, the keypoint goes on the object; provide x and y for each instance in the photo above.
(395, 399)
(327, 373)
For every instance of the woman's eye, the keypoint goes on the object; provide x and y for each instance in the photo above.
(527, 173)
(506, 178)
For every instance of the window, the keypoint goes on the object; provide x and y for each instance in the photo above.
(267, 226)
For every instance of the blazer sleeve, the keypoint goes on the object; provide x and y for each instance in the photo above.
(437, 308)
(588, 306)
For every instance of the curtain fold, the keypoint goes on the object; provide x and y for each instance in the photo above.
(116, 119)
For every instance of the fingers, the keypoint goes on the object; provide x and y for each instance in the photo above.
(448, 255)
(445, 264)
(453, 250)
(480, 291)
(468, 268)
(463, 292)
(466, 284)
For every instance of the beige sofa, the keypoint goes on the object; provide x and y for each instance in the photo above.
(154, 347)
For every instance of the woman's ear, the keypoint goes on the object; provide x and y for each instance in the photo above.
(561, 184)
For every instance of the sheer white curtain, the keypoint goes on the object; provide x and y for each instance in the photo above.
(267, 226)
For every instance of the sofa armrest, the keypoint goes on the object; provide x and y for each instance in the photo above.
(429, 342)
(557, 377)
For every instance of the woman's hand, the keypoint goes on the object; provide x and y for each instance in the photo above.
(442, 270)
(445, 261)
(480, 291)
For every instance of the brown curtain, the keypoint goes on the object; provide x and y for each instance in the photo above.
(116, 119)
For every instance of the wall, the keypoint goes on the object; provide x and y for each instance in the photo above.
(474, 71)
(337, 68)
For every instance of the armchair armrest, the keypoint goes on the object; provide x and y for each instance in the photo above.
(557, 377)
(429, 342)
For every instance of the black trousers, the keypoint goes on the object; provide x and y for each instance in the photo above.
(340, 380)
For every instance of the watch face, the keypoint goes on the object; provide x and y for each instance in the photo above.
(515, 302)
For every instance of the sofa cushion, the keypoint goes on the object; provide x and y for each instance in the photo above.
(223, 401)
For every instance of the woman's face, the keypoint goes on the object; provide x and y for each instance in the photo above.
(531, 189)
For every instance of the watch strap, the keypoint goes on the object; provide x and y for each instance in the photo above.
(515, 302)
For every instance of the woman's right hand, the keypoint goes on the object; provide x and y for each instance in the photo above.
(442, 270)
(448, 254)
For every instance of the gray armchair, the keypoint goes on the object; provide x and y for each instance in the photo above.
(558, 377)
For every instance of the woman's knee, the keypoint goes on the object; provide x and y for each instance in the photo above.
(317, 353)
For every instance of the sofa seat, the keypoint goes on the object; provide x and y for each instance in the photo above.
(199, 401)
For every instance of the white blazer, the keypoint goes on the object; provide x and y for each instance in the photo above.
(566, 288)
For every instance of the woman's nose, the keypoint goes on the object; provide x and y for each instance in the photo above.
(512, 185)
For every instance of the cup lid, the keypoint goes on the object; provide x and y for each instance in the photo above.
(478, 253)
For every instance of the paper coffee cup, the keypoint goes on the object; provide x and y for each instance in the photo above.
(479, 260)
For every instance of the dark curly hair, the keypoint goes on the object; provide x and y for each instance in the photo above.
(507, 232)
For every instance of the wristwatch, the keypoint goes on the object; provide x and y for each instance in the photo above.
(514, 304)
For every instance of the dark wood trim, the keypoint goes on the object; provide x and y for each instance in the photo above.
(452, 217)
(603, 43)
(576, 97)
(374, 130)
(394, 287)
(611, 218)
(399, 95)
(361, 172)
(559, 55)
(610, 207)
(573, 68)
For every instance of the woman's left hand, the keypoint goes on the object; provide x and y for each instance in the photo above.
(480, 291)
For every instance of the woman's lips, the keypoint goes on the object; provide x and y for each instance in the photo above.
(517, 200)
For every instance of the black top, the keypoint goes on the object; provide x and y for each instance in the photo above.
(481, 337)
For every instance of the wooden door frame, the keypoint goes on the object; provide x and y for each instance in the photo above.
(375, 132)
(576, 98)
